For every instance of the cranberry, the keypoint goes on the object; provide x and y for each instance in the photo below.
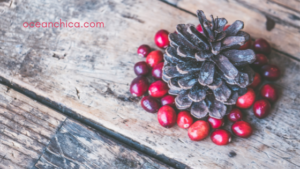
(269, 92)
(235, 115)
(226, 26)
(199, 28)
(184, 119)
(261, 108)
(157, 70)
(260, 60)
(162, 38)
(215, 123)
(154, 58)
(246, 100)
(158, 89)
(168, 100)
(262, 46)
(220, 137)
(199, 130)
(150, 104)
(241, 129)
(139, 86)
(270, 72)
(141, 68)
(256, 81)
(247, 45)
(166, 116)
(143, 50)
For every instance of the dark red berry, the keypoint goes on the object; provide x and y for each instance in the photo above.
(184, 119)
(166, 116)
(220, 137)
(225, 27)
(269, 92)
(139, 86)
(256, 81)
(162, 38)
(199, 28)
(246, 100)
(144, 50)
(262, 46)
(150, 104)
(235, 115)
(215, 123)
(247, 45)
(242, 129)
(168, 100)
(158, 89)
(141, 68)
(261, 108)
(157, 70)
(199, 130)
(270, 72)
(260, 60)
(154, 58)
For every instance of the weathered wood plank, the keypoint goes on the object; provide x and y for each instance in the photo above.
(94, 71)
(76, 146)
(292, 4)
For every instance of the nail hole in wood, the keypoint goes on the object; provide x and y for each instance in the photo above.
(270, 24)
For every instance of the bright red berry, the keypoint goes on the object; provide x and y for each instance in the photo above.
(157, 70)
(242, 129)
(269, 92)
(270, 72)
(139, 86)
(256, 81)
(154, 58)
(246, 100)
(215, 123)
(220, 137)
(261, 108)
(262, 46)
(199, 130)
(141, 68)
(260, 60)
(143, 50)
(162, 38)
(150, 104)
(226, 26)
(166, 116)
(199, 28)
(168, 100)
(235, 115)
(184, 119)
(158, 89)
(247, 45)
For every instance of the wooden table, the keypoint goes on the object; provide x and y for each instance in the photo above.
(84, 74)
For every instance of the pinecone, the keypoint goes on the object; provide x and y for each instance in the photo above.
(207, 71)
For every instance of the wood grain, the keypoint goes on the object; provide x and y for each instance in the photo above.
(93, 70)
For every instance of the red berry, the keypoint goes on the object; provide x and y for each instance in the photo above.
(268, 92)
(199, 130)
(220, 137)
(235, 115)
(166, 116)
(143, 50)
(139, 86)
(154, 58)
(141, 68)
(262, 46)
(225, 27)
(162, 38)
(158, 89)
(157, 70)
(242, 129)
(270, 72)
(261, 108)
(168, 100)
(184, 119)
(199, 28)
(246, 100)
(256, 81)
(260, 60)
(247, 45)
(215, 123)
(150, 104)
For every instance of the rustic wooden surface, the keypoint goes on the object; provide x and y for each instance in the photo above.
(89, 71)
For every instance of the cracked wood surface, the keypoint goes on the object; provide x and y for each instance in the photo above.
(89, 71)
